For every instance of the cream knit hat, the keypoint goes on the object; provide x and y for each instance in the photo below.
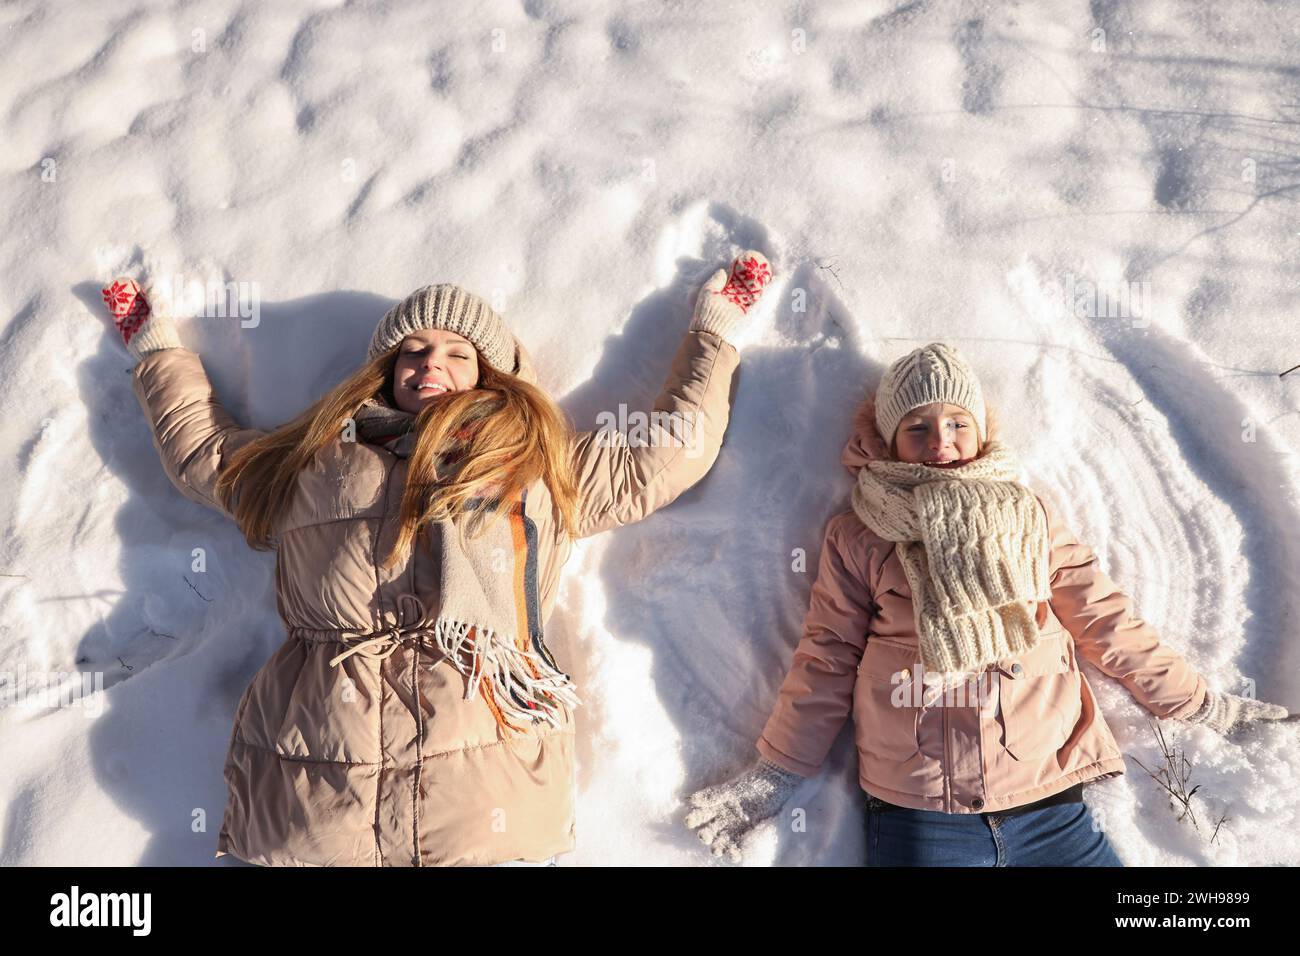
(932, 373)
(451, 308)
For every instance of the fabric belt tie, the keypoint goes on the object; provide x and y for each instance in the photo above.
(382, 644)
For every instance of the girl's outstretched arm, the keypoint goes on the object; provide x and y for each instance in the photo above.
(192, 432)
(624, 476)
(1108, 632)
(816, 696)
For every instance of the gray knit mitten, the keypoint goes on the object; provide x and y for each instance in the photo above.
(143, 326)
(725, 299)
(726, 812)
(1225, 713)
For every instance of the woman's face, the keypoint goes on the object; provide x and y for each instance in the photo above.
(431, 363)
(938, 434)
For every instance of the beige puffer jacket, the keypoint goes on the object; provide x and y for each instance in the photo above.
(383, 762)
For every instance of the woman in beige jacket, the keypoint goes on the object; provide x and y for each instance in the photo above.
(421, 512)
(948, 617)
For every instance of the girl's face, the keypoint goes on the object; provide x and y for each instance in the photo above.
(431, 363)
(938, 434)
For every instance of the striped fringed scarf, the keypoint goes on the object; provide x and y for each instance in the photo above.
(489, 622)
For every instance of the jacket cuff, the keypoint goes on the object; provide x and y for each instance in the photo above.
(1202, 713)
(721, 341)
(1197, 706)
(1195, 713)
(784, 761)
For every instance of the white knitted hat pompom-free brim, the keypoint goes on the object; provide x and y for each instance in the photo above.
(931, 373)
(451, 308)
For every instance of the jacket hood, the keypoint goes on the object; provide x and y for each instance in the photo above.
(524, 364)
(866, 444)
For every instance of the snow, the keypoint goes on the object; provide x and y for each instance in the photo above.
(915, 171)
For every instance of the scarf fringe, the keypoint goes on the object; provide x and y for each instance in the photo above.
(520, 683)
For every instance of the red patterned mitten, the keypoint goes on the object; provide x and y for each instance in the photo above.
(725, 299)
(143, 330)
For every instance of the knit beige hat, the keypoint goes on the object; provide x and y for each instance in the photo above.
(451, 308)
(932, 373)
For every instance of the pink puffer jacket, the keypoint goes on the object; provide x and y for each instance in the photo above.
(1034, 732)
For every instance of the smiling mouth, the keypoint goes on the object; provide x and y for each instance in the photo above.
(429, 388)
(949, 463)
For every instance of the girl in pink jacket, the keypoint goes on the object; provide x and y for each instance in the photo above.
(949, 610)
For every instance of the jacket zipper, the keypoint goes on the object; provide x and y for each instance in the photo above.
(419, 713)
(379, 777)
(947, 763)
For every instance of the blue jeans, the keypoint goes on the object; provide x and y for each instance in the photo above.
(1060, 835)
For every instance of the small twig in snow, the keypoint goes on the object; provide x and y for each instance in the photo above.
(829, 268)
(1174, 775)
(196, 590)
(1214, 836)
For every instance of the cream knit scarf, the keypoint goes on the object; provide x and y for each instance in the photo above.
(489, 620)
(973, 544)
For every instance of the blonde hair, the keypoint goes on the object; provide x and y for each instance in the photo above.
(505, 434)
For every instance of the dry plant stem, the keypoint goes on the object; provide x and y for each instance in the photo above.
(1174, 776)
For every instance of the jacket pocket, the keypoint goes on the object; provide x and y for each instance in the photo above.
(261, 711)
(229, 762)
(893, 578)
(885, 715)
(331, 714)
(1039, 698)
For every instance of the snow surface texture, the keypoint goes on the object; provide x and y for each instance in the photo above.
(916, 171)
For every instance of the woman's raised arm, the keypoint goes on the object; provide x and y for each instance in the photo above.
(622, 478)
(191, 430)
